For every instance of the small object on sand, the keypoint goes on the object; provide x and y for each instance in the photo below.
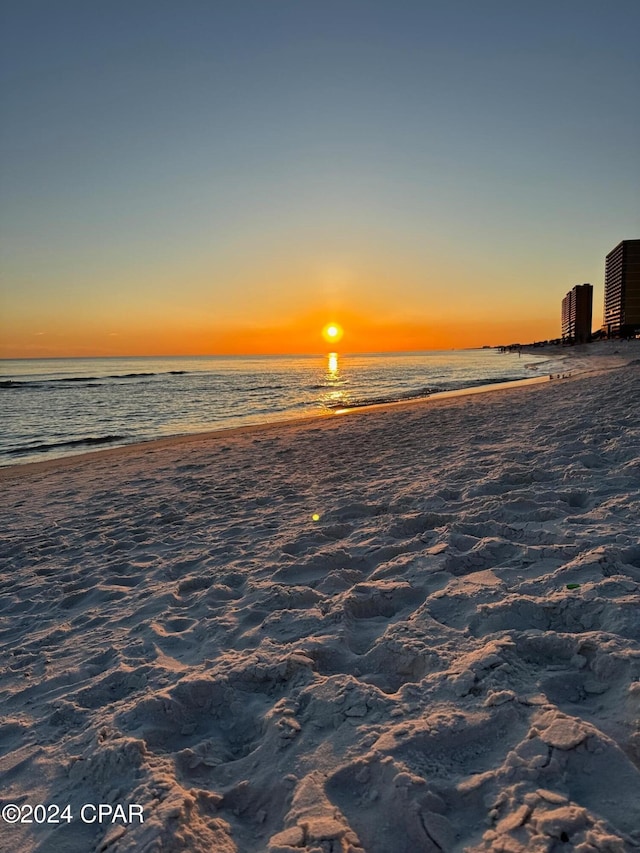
(573, 586)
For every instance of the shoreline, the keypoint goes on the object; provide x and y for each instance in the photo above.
(267, 426)
(178, 439)
(580, 359)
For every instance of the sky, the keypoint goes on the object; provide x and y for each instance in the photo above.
(229, 176)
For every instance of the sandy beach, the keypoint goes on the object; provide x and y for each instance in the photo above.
(415, 628)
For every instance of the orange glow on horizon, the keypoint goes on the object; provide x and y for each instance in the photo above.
(291, 303)
(40, 336)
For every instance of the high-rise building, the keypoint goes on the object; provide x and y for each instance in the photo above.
(622, 290)
(577, 309)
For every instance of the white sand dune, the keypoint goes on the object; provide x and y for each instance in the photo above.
(448, 659)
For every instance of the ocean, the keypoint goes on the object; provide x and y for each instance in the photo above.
(57, 407)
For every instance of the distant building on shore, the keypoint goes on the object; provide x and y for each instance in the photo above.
(577, 311)
(622, 290)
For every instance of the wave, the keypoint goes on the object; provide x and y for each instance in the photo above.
(10, 383)
(327, 386)
(264, 388)
(356, 403)
(88, 441)
(33, 383)
(417, 394)
(485, 380)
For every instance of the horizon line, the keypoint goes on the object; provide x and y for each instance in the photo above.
(259, 354)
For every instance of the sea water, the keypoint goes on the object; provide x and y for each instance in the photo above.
(56, 407)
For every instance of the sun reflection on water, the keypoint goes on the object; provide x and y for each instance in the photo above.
(335, 395)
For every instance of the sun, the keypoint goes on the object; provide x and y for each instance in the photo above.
(332, 333)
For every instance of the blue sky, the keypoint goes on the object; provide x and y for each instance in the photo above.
(242, 164)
